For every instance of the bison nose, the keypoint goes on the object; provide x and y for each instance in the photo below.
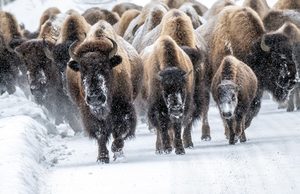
(227, 115)
(96, 99)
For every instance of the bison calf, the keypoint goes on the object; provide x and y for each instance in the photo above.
(234, 88)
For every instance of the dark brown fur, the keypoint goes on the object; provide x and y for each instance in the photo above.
(93, 15)
(125, 20)
(223, 39)
(166, 54)
(244, 83)
(123, 88)
(13, 71)
(260, 6)
(287, 4)
(217, 7)
(276, 18)
(121, 8)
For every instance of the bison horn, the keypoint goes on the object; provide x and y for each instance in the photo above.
(47, 51)
(8, 47)
(263, 45)
(71, 53)
(114, 49)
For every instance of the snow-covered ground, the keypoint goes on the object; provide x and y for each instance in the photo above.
(35, 158)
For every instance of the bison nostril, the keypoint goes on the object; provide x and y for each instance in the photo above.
(102, 98)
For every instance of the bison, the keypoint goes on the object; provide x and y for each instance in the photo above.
(121, 8)
(94, 14)
(43, 76)
(168, 89)
(234, 87)
(287, 4)
(125, 20)
(74, 28)
(12, 70)
(104, 77)
(260, 6)
(265, 53)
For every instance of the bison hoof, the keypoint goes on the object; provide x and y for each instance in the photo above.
(243, 139)
(290, 109)
(205, 138)
(233, 140)
(188, 145)
(179, 151)
(103, 158)
(119, 156)
(159, 151)
(168, 150)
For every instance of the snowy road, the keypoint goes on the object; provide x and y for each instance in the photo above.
(268, 163)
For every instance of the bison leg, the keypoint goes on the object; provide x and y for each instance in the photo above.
(232, 136)
(167, 148)
(124, 124)
(205, 125)
(290, 103)
(103, 156)
(254, 109)
(297, 96)
(187, 136)
(179, 150)
(159, 147)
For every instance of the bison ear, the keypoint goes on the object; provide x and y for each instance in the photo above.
(74, 65)
(115, 61)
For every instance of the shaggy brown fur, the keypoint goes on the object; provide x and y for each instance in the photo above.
(121, 8)
(137, 22)
(12, 70)
(234, 76)
(189, 9)
(287, 4)
(166, 54)
(125, 20)
(94, 14)
(217, 7)
(276, 18)
(248, 45)
(176, 24)
(74, 28)
(123, 87)
(153, 19)
(9, 26)
(260, 6)
(51, 29)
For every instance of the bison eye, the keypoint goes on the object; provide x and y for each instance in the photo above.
(74, 65)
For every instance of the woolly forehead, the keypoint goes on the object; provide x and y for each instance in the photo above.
(100, 29)
(103, 45)
(172, 77)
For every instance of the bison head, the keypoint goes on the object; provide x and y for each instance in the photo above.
(59, 56)
(272, 61)
(96, 69)
(173, 86)
(227, 92)
(38, 68)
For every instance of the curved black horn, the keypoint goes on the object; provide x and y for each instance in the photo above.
(71, 53)
(114, 49)
(47, 51)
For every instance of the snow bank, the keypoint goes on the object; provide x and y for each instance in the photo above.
(22, 140)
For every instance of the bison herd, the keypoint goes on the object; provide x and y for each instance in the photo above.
(161, 61)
